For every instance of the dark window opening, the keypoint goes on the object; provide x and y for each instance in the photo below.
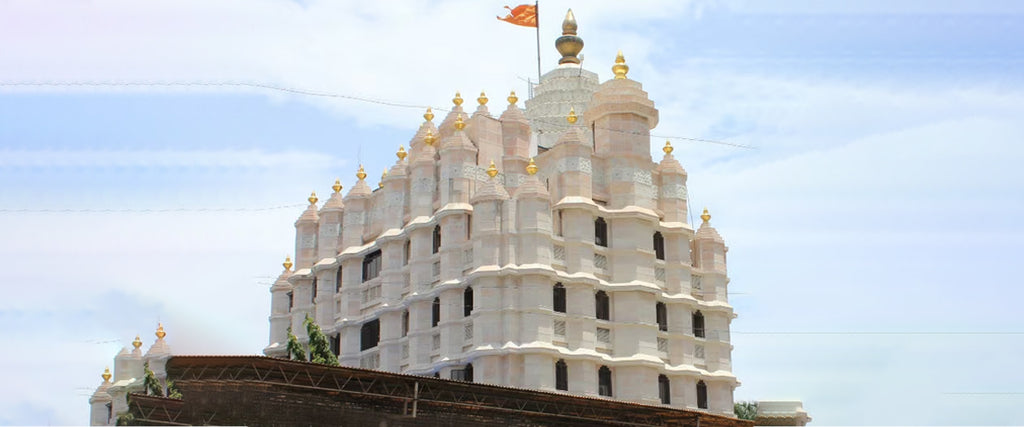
(661, 313)
(698, 324)
(702, 395)
(369, 335)
(437, 240)
(435, 312)
(604, 381)
(371, 266)
(313, 297)
(664, 391)
(464, 374)
(558, 297)
(337, 282)
(467, 302)
(561, 375)
(405, 323)
(469, 227)
(601, 232)
(336, 344)
(601, 305)
(291, 300)
(659, 246)
(407, 251)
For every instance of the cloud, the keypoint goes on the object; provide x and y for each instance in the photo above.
(160, 159)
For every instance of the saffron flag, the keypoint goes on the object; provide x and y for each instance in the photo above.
(524, 15)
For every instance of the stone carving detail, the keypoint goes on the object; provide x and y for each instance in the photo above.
(695, 283)
(405, 350)
(436, 342)
(330, 230)
(307, 242)
(469, 331)
(604, 335)
(467, 257)
(559, 327)
(659, 274)
(663, 345)
(514, 179)
(559, 252)
(424, 186)
(573, 164)
(354, 219)
(673, 191)
(698, 351)
(600, 261)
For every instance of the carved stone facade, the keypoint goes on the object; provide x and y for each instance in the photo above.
(583, 277)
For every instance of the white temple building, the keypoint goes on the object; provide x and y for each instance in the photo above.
(575, 270)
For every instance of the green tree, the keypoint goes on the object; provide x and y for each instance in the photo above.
(150, 383)
(295, 350)
(745, 410)
(319, 347)
(172, 391)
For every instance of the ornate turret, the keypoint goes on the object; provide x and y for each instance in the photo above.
(306, 230)
(672, 197)
(569, 45)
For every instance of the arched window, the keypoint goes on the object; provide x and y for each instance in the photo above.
(369, 335)
(464, 374)
(702, 395)
(698, 324)
(405, 323)
(601, 309)
(659, 246)
(558, 298)
(336, 344)
(371, 265)
(435, 312)
(600, 232)
(604, 381)
(664, 390)
(561, 375)
(661, 314)
(467, 302)
(437, 240)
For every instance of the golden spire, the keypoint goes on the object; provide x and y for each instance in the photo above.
(569, 45)
(382, 176)
(106, 375)
(337, 186)
(572, 118)
(429, 115)
(492, 170)
(312, 198)
(458, 99)
(137, 343)
(429, 138)
(482, 99)
(459, 124)
(532, 167)
(160, 334)
(287, 263)
(512, 98)
(361, 174)
(401, 153)
(705, 216)
(620, 68)
(668, 148)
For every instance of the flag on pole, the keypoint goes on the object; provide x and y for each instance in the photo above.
(524, 15)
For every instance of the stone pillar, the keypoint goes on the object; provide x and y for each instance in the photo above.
(306, 229)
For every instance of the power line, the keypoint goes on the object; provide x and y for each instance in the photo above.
(307, 92)
(130, 210)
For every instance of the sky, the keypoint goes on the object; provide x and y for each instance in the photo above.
(148, 175)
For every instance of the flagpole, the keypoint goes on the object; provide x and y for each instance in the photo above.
(536, 8)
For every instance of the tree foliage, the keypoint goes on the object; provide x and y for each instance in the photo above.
(745, 410)
(172, 391)
(319, 346)
(150, 383)
(295, 350)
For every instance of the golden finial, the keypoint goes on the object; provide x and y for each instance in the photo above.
(459, 124)
(482, 99)
(287, 263)
(401, 153)
(492, 170)
(382, 176)
(429, 138)
(106, 375)
(532, 167)
(137, 343)
(429, 115)
(512, 98)
(458, 99)
(668, 148)
(705, 216)
(571, 118)
(361, 174)
(620, 68)
(160, 334)
(337, 186)
(312, 198)
(569, 44)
